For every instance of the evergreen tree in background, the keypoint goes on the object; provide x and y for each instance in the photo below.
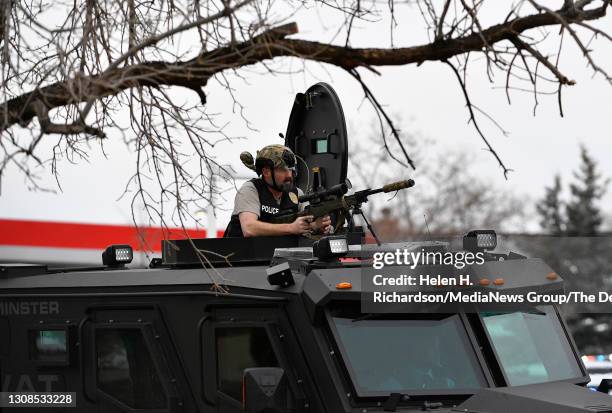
(584, 217)
(550, 209)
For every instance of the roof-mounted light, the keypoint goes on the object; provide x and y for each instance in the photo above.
(330, 247)
(480, 240)
(117, 255)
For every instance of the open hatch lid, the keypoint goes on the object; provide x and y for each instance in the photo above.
(317, 134)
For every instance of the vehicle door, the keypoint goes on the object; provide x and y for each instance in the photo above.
(239, 338)
(129, 362)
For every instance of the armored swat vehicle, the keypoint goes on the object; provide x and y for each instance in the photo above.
(277, 324)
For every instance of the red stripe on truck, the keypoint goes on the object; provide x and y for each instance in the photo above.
(16, 232)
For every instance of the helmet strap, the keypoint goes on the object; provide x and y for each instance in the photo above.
(274, 184)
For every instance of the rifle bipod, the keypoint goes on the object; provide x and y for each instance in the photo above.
(357, 211)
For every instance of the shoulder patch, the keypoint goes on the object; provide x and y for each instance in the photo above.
(293, 197)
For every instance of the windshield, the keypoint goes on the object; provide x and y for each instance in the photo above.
(407, 355)
(531, 346)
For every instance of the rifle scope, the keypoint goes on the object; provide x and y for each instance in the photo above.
(337, 190)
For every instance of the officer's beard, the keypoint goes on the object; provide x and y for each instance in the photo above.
(286, 185)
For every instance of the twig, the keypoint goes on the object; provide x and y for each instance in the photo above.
(475, 122)
(379, 109)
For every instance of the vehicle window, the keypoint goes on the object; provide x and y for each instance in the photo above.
(531, 346)
(48, 345)
(400, 355)
(125, 369)
(240, 348)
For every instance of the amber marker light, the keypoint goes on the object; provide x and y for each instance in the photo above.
(552, 276)
(345, 285)
(499, 281)
(484, 282)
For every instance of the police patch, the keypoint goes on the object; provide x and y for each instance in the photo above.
(293, 197)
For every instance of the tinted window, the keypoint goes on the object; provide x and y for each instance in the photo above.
(240, 348)
(402, 355)
(49, 345)
(125, 369)
(531, 346)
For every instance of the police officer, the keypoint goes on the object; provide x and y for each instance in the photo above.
(274, 191)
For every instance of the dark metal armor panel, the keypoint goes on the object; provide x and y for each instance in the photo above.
(317, 134)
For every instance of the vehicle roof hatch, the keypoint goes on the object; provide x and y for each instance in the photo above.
(317, 134)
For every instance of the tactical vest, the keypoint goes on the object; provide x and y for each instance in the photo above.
(268, 209)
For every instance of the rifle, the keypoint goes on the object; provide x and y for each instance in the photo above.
(337, 202)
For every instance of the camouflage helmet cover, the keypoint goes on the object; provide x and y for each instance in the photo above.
(279, 155)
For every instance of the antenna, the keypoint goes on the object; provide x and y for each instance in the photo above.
(427, 226)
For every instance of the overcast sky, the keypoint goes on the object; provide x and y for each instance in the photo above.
(427, 98)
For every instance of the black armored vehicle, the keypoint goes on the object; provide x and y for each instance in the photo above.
(278, 324)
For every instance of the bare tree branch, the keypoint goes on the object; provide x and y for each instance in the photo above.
(469, 105)
(380, 111)
(268, 45)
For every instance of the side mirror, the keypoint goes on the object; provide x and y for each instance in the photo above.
(264, 389)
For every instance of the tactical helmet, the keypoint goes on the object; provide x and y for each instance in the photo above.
(272, 156)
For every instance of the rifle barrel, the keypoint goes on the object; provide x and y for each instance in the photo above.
(395, 186)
